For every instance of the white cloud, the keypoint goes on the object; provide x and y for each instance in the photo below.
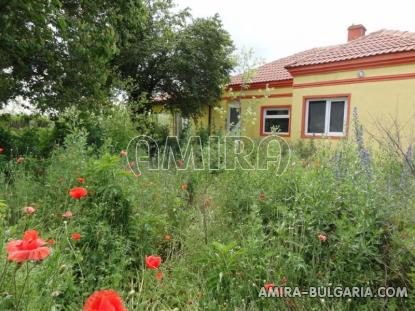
(279, 28)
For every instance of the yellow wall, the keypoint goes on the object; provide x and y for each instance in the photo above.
(380, 101)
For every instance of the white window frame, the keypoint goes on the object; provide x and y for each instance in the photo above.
(282, 116)
(327, 117)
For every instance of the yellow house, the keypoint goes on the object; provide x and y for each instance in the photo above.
(311, 94)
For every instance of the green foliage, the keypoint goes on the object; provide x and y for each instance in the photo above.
(58, 54)
(22, 135)
(184, 62)
(221, 238)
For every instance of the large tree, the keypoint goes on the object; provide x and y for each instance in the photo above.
(56, 53)
(176, 60)
(77, 52)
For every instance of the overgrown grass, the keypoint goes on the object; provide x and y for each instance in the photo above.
(221, 238)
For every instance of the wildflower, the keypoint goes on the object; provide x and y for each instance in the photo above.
(51, 242)
(268, 286)
(284, 280)
(81, 180)
(168, 237)
(76, 236)
(29, 210)
(180, 163)
(159, 275)
(78, 192)
(20, 160)
(55, 293)
(1, 150)
(364, 154)
(104, 300)
(30, 248)
(123, 153)
(153, 262)
(184, 186)
(261, 196)
(67, 214)
(322, 237)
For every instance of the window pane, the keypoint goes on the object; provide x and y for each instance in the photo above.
(337, 116)
(282, 125)
(233, 117)
(316, 116)
(277, 112)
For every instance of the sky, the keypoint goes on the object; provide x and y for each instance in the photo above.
(275, 29)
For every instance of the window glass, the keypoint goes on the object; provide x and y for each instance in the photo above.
(234, 118)
(337, 116)
(282, 124)
(316, 116)
(275, 112)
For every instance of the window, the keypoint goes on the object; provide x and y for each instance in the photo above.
(277, 118)
(326, 117)
(234, 117)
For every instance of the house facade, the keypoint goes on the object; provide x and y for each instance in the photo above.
(312, 94)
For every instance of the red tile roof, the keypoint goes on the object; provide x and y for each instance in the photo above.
(376, 43)
(274, 71)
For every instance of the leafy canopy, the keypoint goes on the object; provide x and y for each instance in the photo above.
(56, 54)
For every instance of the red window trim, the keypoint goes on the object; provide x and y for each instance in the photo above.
(261, 129)
(305, 98)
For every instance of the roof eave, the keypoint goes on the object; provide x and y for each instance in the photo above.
(381, 60)
(261, 85)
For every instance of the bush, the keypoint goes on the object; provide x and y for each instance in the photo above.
(336, 217)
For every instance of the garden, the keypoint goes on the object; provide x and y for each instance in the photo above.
(81, 230)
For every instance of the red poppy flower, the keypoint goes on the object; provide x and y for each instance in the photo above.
(322, 237)
(51, 242)
(104, 300)
(29, 210)
(76, 236)
(159, 275)
(268, 286)
(1, 150)
(123, 153)
(153, 262)
(184, 186)
(81, 180)
(67, 214)
(30, 248)
(78, 192)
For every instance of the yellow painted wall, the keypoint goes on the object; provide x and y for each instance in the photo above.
(381, 101)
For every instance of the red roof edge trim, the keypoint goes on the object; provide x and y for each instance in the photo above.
(261, 85)
(358, 63)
